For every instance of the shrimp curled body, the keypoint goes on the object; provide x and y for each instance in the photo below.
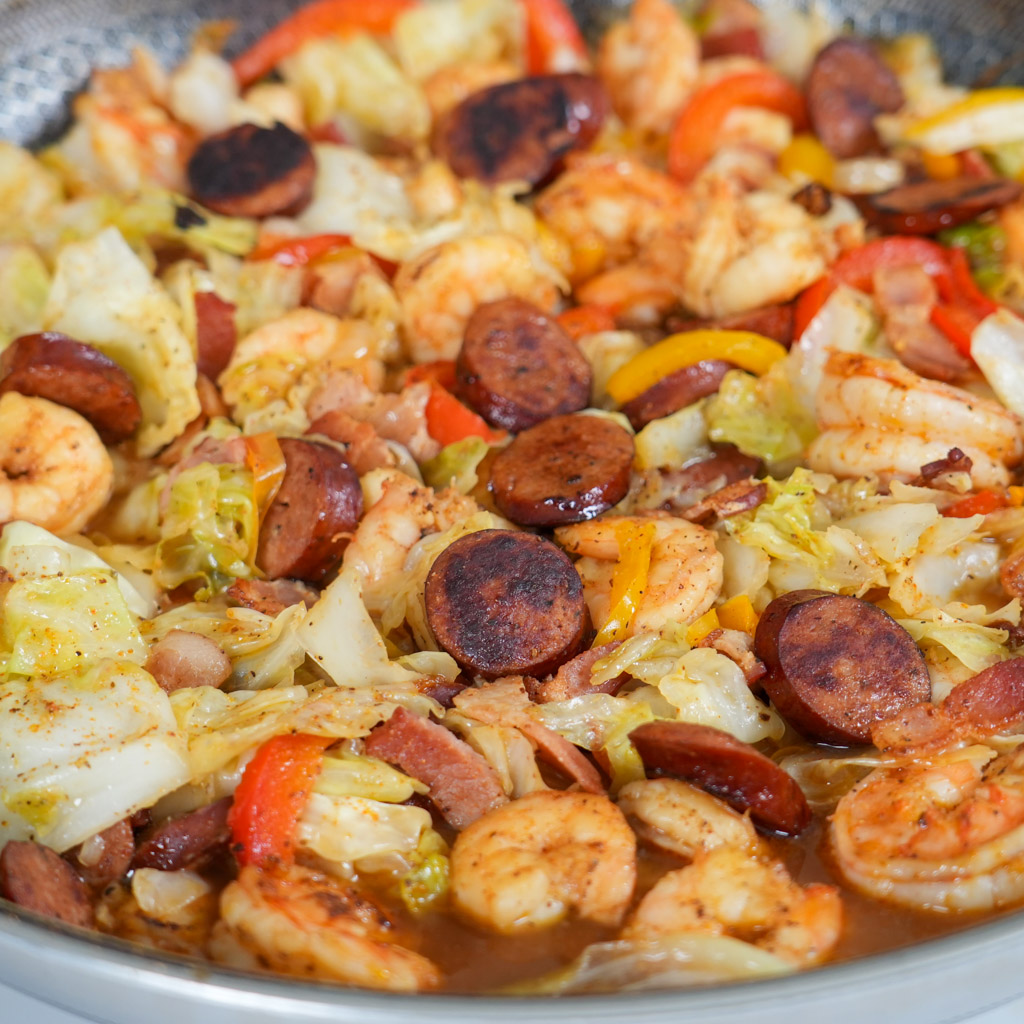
(304, 924)
(526, 864)
(54, 470)
(944, 834)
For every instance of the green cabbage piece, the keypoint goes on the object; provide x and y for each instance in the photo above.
(210, 529)
(762, 416)
(455, 465)
(28, 193)
(66, 624)
(104, 295)
(24, 286)
(974, 645)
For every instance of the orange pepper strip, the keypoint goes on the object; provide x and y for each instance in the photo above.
(629, 579)
(590, 318)
(696, 130)
(274, 789)
(978, 504)
(448, 420)
(553, 39)
(441, 371)
(263, 456)
(321, 18)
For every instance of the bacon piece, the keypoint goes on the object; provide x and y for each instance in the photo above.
(38, 878)
(738, 647)
(442, 689)
(462, 784)
(731, 500)
(955, 461)
(272, 596)
(182, 659)
(365, 449)
(563, 755)
(216, 334)
(573, 678)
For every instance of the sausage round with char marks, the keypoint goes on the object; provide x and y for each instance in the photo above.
(848, 85)
(249, 171)
(924, 207)
(728, 768)
(310, 521)
(216, 334)
(676, 391)
(519, 131)
(75, 375)
(38, 878)
(837, 665)
(564, 470)
(180, 842)
(517, 367)
(506, 603)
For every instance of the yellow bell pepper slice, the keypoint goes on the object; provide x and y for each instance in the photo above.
(263, 456)
(940, 166)
(747, 350)
(738, 613)
(629, 580)
(700, 628)
(986, 117)
(806, 156)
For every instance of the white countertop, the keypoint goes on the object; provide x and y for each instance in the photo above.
(18, 1009)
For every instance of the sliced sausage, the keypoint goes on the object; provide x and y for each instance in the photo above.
(738, 647)
(676, 391)
(505, 603)
(106, 856)
(564, 470)
(517, 367)
(564, 756)
(741, 42)
(573, 678)
(309, 524)
(39, 879)
(76, 375)
(726, 767)
(462, 784)
(924, 207)
(249, 171)
(271, 596)
(183, 658)
(684, 488)
(215, 333)
(837, 665)
(521, 130)
(442, 689)
(990, 702)
(848, 86)
(731, 500)
(183, 841)
(775, 322)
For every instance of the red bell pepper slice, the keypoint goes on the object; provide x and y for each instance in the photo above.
(978, 504)
(696, 130)
(274, 789)
(448, 420)
(441, 371)
(590, 318)
(553, 39)
(298, 252)
(320, 18)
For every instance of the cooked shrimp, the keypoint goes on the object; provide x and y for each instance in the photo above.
(296, 352)
(684, 819)
(726, 891)
(397, 516)
(941, 834)
(305, 924)
(649, 64)
(609, 207)
(530, 862)
(439, 289)
(54, 470)
(879, 417)
(683, 581)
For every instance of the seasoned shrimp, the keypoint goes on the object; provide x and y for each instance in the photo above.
(305, 924)
(683, 819)
(683, 581)
(608, 208)
(399, 513)
(439, 289)
(726, 891)
(940, 834)
(530, 862)
(54, 470)
(879, 417)
(649, 64)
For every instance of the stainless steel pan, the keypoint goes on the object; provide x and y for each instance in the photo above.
(46, 50)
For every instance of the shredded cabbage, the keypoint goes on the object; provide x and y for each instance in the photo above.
(974, 645)
(24, 287)
(673, 440)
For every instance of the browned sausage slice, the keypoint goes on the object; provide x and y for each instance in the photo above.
(505, 603)
(462, 784)
(990, 702)
(924, 207)
(775, 322)
(39, 879)
(309, 524)
(249, 171)
(676, 391)
(215, 333)
(75, 375)
(185, 840)
(106, 856)
(573, 678)
(837, 665)
(848, 85)
(271, 596)
(519, 131)
(728, 768)
(564, 470)
(517, 366)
